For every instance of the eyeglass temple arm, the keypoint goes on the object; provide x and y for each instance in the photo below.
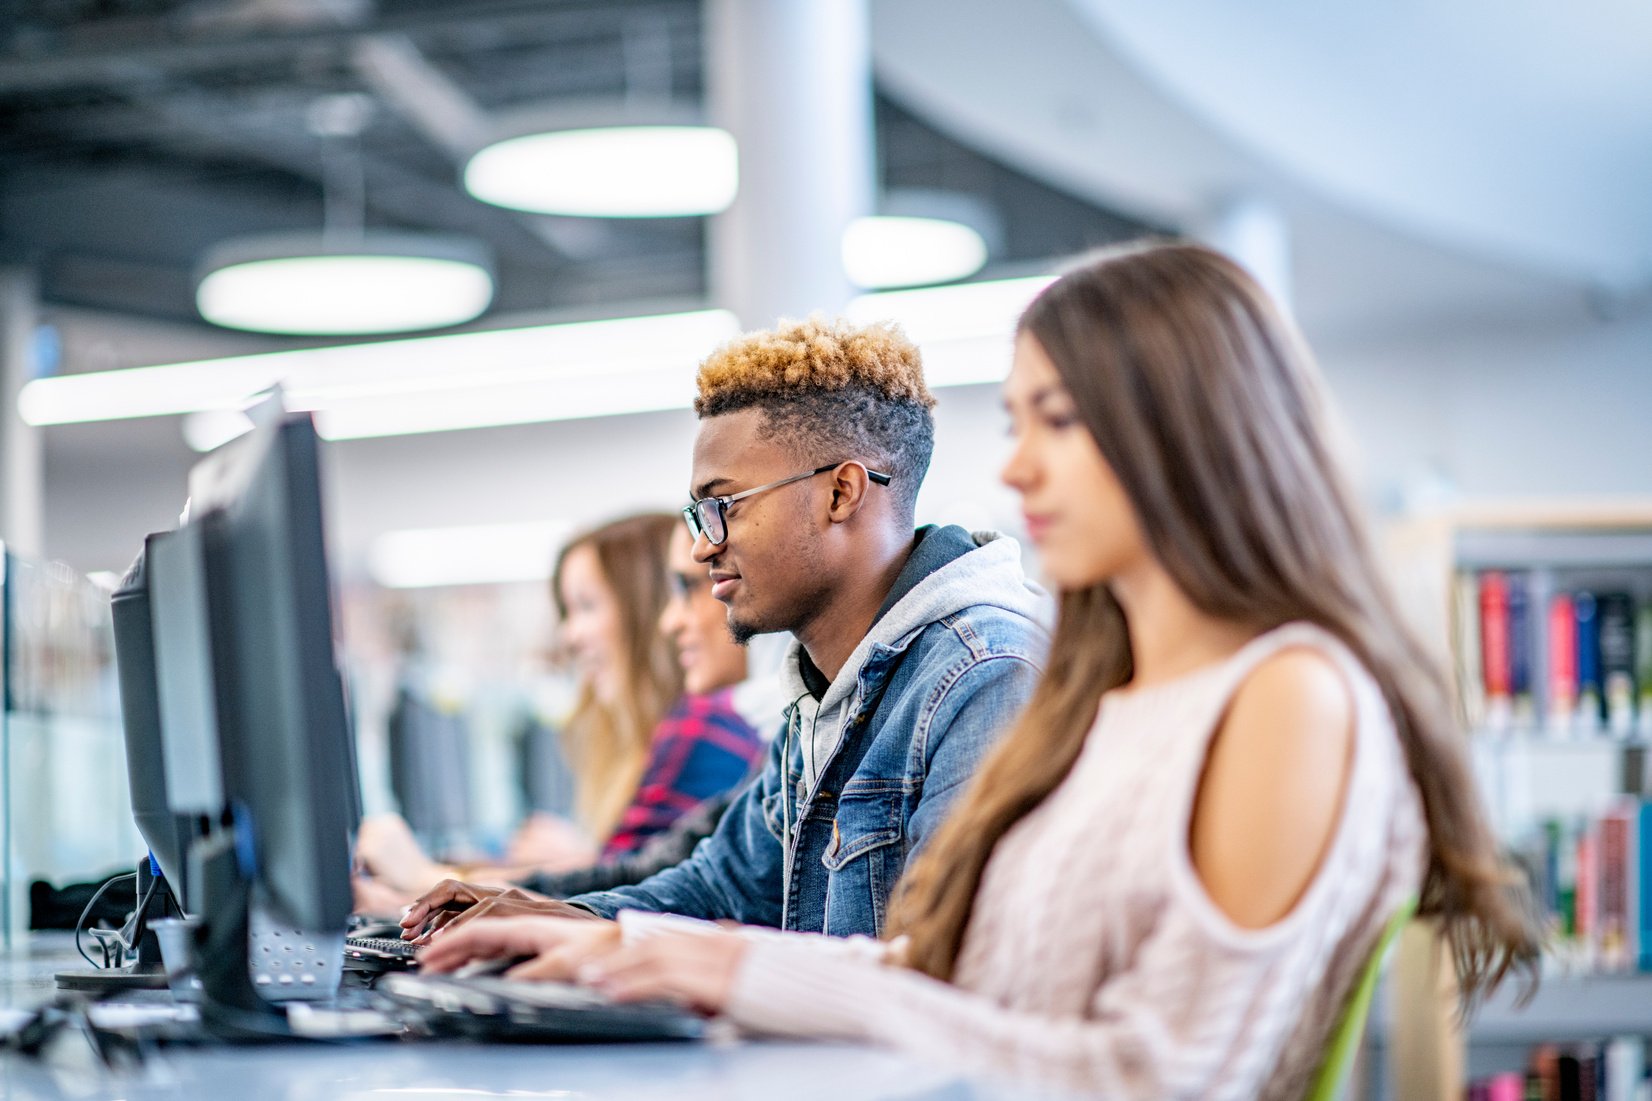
(877, 476)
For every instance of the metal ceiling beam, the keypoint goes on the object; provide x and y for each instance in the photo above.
(107, 64)
(199, 126)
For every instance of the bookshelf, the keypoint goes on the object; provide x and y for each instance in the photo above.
(1555, 748)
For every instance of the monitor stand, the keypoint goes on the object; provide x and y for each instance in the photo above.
(250, 964)
(145, 972)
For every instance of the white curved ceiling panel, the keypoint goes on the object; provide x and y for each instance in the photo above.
(1519, 130)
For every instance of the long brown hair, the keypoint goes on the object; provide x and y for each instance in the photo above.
(607, 743)
(1206, 405)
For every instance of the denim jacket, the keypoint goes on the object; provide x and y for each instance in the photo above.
(898, 733)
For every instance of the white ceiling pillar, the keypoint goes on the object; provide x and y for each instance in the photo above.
(22, 477)
(1256, 233)
(791, 80)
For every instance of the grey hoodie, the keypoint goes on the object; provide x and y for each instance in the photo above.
(990, 575)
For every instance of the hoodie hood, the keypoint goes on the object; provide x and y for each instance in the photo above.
(988, 576)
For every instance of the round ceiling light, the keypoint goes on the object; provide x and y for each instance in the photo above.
(902, 251)
(307, 284)
(608, 162)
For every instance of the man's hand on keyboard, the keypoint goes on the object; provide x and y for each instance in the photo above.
(451, 903)
(559, 947)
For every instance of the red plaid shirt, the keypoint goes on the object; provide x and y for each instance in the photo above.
(701, 749)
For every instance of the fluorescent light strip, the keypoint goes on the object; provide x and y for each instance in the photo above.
(317, 378)
(520, 376)
(480, 555)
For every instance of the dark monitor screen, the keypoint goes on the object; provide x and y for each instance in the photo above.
(167, 833)
(429, 768)
(283, 735)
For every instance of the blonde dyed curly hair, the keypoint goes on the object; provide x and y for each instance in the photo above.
(834, 391)
(812, 355)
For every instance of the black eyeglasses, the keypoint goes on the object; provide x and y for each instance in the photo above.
(708, 517)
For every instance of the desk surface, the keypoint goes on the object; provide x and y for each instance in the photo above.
(738, 1070)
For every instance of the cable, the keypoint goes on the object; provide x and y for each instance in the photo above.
(117, 944)
(81, 923)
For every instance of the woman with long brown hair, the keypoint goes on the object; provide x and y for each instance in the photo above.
(1166, 879)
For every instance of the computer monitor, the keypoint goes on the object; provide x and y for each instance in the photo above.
(165, 832)
(255, 738)
(283, 730)
(429, 751)
(134, 947)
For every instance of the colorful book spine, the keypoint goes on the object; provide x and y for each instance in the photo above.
(1588, 661)
(1616, 613)
(1643, 887)
(1565, 879)
(1613, 914)
(1577, 1074)
(1586, 921)
(1494, 647)
(1562, 662)
(1521, 635)
(1465, 626)
(1643, 668)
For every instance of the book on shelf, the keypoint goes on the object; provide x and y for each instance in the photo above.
(1465, 649)
(1562, 663)
(1533, 655)
(1617, 660)
(1614, 915)
(1494, 648)
(1589, 877)
(1522, 638)
(1588, 661)
(1642, 889)
(1643, 669)
(1608, 1070)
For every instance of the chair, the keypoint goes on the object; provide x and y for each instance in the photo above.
(1345, 1040)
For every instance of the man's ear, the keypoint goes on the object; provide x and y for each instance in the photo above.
(849, 485)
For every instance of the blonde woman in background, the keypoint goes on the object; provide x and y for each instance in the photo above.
(611, 586)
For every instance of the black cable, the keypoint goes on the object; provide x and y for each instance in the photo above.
(81, 923)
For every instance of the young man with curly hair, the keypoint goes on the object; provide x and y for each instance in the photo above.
(913, 648)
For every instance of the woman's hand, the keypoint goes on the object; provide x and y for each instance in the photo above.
(550, 843)
(696, 969)
(387, 849)
(377, 898)
(559, 946)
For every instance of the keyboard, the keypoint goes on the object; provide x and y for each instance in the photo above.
(490, 1008)
(379, 953)
(389, 946)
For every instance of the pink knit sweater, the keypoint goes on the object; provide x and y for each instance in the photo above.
(1094, 959)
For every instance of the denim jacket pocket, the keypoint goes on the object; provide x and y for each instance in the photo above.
(864, 822)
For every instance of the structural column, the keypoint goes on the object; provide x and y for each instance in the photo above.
(792, 81)
(22, 479)
(1256, 233)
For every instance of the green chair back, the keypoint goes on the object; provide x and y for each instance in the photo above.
(1350, 1030)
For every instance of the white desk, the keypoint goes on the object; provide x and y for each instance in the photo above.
(451, 1071)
